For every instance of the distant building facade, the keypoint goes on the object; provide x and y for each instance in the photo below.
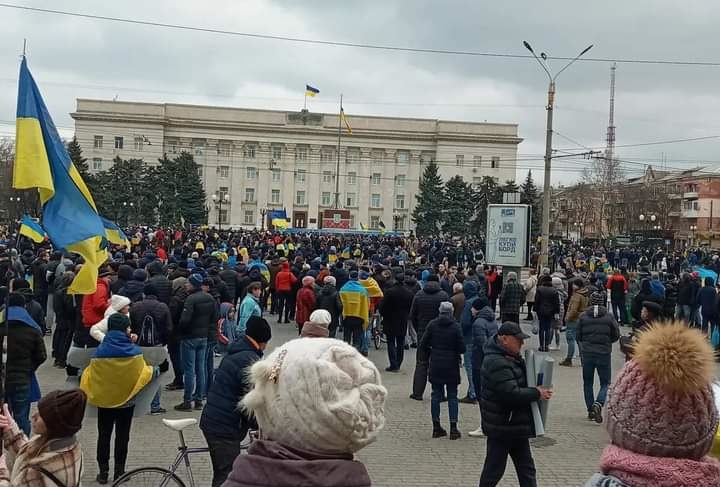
(270, 159)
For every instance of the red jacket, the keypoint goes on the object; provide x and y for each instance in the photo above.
(94, 305)
(285, 279)
(305, 304)
(617, 284)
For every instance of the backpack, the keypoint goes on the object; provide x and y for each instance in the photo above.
(148, 336)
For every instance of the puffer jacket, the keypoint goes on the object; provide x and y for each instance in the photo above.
(199, 314)
(505, 397)
(596, 331)
(285, 279)
(530, 287)
(395, 309)
(426, 306)
(329, 300)
(578, 303)
(547, 302)
(163, 286)
(470, 289)
(443, 343)
(483, 329)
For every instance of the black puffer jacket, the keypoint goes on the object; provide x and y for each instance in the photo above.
(547, 302)
(597, 330)
(133, 290)
(395, 309)
(329, 299)
(426, 306)
(505, 398)
(163, 286)
(230, 277)
(124, 274)
(26, 352)
(443, 343)
(198, 315)
(151, 307)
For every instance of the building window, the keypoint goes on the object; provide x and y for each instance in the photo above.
(403, 157)
(138, 141)
(375, 178)
(276, 153)
(477, 161)
(118, 142)
(326, 155)
(249, 152)
(225, 148)
(377, 157)
(224, 171)
(459, 160)
(300, 197)
(97, 164)
(276, 174)
(374, 222)
(352, 177)
(223, 216)
(200, 171)
(249, 195)
(327, 177)
(350, 200)
(301, 153)
(400, 224)
(494, 162)
(251, 172)
(222, 192)
(300, 176)
(352, 156)
(375, 200)
(98, 142)
(426, 158)
(325, 198)
(400, 180)
(198, 147)
(275, 196)
(172, 146)
(400, 201)
(352, 221)
(249, 217)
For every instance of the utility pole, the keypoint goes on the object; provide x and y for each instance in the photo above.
(547, 190)
(337, 166)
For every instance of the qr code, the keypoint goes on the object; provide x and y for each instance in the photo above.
(507, 245)
(508, 227)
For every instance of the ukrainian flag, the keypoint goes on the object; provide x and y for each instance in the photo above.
(363, 227)
(114, 234)
(32, 230)
(310, 91)
(344, 120)
(278, 218)
(70, 217)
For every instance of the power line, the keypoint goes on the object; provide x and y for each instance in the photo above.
(348, 44)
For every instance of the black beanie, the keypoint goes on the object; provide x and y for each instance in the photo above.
(258, 329)
(16, 299)
(118, 321)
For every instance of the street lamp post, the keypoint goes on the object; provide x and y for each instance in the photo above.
(693, 229)
(548, 146)
(219, 199)
(263, 212)
(14, 204)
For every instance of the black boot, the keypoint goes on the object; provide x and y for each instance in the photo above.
(454, 432)
(119, 472)
(438, 431)
(102, 476)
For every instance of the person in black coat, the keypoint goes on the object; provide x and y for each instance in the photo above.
(547, 307)
(395, 309)
(162, 284)
(329, 300)
(222, 422)
(443, 343)
(505, 400)
(644, 295)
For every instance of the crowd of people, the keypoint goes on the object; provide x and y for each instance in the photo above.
(202, 295)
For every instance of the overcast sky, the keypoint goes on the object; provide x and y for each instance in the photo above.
(83, 58)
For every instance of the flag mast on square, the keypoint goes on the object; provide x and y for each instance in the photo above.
(69, 215)
(311, 92)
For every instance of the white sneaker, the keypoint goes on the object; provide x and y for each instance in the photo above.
(553, 348)
(478, 433)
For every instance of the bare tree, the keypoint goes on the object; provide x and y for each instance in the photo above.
(604, 176)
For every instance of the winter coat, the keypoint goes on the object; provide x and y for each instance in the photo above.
(395, 310)
(26, 352)
(305, 304)
(687, 293)
(199, 316)
(163, 287)
(426, 306)
(124, 274)
(458, 302)
(484, 328)
(547, 302)
(270, 464)
(341, 277)
(530, 287)
(645, 294)
(443, 343)
(618, 287)
(707, 299)
(505, 397)
(470, 290)
(95, 304)
(221, 415)
(230, 278)
(153, 308)
(596, 331)
(578, 303)
(511, 297)
(248, 307)
(329, 299)
(285, 279)
(133, 290)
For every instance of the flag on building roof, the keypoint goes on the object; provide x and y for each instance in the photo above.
(114, 234)
(310, 91)
(32, 229)
(69, 214)
(344, 120)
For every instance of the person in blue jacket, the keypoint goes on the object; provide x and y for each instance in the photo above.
(707, 300)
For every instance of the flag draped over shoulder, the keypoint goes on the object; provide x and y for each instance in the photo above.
(69, 217)
(114, 233)
(354, 298)
(32, 229)
(117, 372)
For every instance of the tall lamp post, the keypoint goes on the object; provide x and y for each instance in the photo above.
(127, 205)
(219, 199)
(263, 212)
(693, 229)
(548, 145)
(14, 204)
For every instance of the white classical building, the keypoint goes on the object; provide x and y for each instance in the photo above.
(270, 159)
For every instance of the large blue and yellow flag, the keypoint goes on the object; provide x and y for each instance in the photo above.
(278, 219)
(114, 233)
(32, 229)
(69, 216)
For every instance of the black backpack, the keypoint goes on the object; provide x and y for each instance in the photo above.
(148, 336)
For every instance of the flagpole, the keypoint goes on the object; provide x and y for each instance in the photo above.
(305, 102)
(337, 166)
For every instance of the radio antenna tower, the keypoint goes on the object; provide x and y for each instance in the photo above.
(610, 148)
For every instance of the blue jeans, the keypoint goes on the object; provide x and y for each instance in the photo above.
(437, 394)
(18, 399)
(193, 352)
(467, 362)
(591, 363)
(570, 338)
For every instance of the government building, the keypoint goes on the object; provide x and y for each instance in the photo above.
(257, 161)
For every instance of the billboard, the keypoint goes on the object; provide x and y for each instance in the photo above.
(508, 231)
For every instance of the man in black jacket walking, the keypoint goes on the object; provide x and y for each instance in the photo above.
(163, 286)
(505, 401)
(395, 309)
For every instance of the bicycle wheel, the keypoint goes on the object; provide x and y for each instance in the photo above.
(376, 338)
(149, 477)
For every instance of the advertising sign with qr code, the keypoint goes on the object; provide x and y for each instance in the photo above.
(508, 235)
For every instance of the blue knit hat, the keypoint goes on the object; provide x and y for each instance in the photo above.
(195, 280)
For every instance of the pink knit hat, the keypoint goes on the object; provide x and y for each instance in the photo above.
(661, 403)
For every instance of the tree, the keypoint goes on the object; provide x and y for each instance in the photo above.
(529, 196)
(75, 152)
(487, 193)
(428, 213)
(459, 207)
(604, 175)
(508, 187)
(190, 195)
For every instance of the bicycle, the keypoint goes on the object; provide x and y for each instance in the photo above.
(167, 477)
(376, 332)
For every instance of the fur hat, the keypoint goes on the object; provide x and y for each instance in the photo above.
(317, 394)
(318, 325)
(662, 404)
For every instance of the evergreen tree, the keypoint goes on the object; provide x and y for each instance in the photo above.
(529, 196)
(459, 207)
(428, 213)
(75, 152)
(167, 194)
(487, 193)
(190, 199)
(508, 187)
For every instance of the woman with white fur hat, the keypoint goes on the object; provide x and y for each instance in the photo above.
(317, 402)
